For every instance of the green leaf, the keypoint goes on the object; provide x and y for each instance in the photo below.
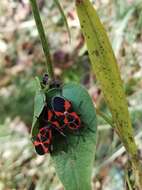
(39, 102)
(74, 161)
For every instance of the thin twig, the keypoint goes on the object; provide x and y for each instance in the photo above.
(105, 117)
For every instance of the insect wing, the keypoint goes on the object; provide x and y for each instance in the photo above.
(42, 141)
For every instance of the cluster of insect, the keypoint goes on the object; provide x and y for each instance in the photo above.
(57, 118)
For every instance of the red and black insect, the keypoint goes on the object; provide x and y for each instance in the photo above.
(54, 122)
(65, 114)
(48, 127)
(43, 141)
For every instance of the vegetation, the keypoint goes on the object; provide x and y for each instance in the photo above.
(22, 59)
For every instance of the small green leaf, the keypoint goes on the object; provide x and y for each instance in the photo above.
(39, 102)
(75, 161)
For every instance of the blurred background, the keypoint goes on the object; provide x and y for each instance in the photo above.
(21, 59)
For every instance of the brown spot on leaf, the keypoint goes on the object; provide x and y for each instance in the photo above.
(131, 138)
(96, 52)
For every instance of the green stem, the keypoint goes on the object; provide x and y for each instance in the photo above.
(44, 41)
(64, 17)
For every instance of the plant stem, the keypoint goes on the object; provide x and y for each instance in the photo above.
(64, 17)
(44, 41)
(105, 117)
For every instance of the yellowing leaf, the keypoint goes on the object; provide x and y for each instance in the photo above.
(106, 69)
(107, 73)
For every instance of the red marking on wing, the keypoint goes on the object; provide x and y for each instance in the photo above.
(73, 126)
(74, 114)
(50, 114)
(42, 132)
(56, 124)
(67, 105)
(36, 143)
(46, 150)
(76, 123)
(59, 113)
(66, 120)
